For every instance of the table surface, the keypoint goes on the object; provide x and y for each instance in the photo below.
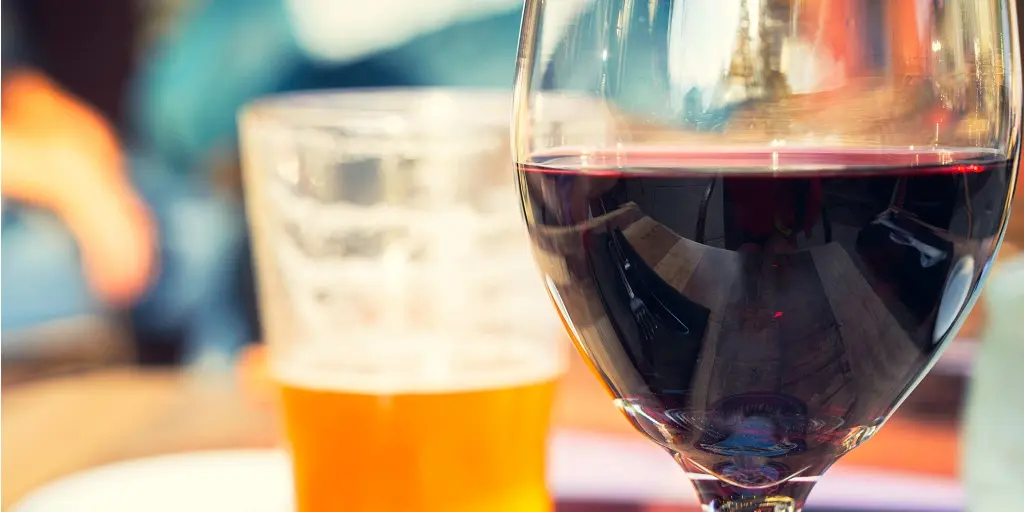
(58, 426)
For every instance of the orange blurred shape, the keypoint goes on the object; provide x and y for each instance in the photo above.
(837, 26)
(254, 378)
(909, 45)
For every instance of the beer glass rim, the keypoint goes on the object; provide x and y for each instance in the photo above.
(397, 111)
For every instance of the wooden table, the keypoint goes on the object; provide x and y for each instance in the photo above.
(59, 426)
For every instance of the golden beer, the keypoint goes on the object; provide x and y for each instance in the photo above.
(414, 429)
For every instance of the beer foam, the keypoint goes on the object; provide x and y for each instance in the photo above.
(418, 366)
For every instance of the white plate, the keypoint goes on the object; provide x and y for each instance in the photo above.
(584, 466)
(243, 481)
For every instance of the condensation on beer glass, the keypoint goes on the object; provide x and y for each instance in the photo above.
(396, 288)
(393, 232)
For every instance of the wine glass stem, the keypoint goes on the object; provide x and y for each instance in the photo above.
(719, 496)
(761, 504)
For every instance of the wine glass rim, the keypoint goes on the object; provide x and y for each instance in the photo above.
(392, 109)
(814, 158)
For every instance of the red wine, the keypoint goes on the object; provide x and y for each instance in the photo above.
(761, 314)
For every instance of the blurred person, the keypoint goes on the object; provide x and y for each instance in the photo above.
(89, 228)
(145, 228)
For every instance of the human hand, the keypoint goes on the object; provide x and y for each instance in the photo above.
(63, 156)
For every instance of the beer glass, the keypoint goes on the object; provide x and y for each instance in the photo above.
(406, 327)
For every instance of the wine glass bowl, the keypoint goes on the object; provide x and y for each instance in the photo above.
(761, 221)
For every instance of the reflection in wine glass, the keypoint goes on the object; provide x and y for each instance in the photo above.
(762, 220)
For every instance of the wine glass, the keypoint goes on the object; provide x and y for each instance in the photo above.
(763, 220)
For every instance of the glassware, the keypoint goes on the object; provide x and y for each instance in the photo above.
(394, 277)
(762, 220)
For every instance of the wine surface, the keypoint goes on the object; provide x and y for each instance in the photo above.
(761, 314)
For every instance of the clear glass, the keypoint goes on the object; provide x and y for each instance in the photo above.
(394, 280)
(762, 220)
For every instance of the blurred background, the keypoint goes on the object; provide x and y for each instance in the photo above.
(126, 263)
